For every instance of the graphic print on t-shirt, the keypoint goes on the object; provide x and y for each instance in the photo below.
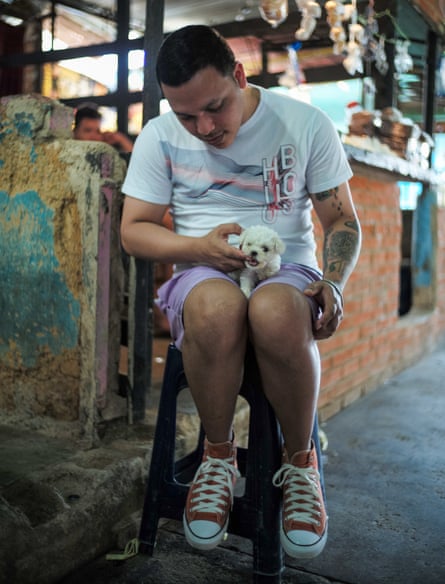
(270, 186)
(279, 182)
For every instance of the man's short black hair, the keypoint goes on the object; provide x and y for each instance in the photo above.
(190, 49)
(86, 111)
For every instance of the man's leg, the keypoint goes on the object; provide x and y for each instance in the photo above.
(280, 319)
(213, 348)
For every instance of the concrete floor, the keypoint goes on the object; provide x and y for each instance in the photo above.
(385, 483)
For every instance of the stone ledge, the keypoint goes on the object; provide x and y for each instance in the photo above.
(35, 117)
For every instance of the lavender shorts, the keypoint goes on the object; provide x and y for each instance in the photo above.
(172, 294)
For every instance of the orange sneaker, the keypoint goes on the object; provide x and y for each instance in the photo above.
(210, 497)
(304, 525)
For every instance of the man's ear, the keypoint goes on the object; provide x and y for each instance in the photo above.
(240, 75)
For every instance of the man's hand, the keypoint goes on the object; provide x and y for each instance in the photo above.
(216, 251)
(331, 302)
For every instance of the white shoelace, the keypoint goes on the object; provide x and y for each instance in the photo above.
(212, 480)
(302, 496)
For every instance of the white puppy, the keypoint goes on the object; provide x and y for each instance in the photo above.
(263, 247)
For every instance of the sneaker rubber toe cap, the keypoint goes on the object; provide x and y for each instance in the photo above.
(302, 537)
(303, 544)
(203, 535)
(204, 529)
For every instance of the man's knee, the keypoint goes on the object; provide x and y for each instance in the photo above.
(215, 305)
(279, 312)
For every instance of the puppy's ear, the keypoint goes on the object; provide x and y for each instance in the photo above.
(242, 237)
(279, 245)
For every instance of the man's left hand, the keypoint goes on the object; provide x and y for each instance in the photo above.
(331, 303)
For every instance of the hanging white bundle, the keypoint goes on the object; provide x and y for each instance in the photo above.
(310, 11)
(337, 14)
(381, 62)
(403, 61)
(274, 11)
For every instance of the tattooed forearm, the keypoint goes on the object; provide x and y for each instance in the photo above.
(340, 249)
(342, 233)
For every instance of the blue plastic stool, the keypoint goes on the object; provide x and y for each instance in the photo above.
(255, 514)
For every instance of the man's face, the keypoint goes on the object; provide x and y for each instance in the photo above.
(210, 106)
(88, 129)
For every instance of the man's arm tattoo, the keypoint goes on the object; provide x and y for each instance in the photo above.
(340, 249)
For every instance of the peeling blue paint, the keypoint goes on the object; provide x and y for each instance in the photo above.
(38, 311)
(424, 245)
(4, 133)
(33, 154)
(24, 123)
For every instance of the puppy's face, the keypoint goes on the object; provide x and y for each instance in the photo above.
(261, 244)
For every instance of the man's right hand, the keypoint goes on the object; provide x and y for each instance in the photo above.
(215, 250)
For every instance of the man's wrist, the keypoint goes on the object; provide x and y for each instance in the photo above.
(335, 286)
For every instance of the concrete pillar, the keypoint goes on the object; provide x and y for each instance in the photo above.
(60, 270)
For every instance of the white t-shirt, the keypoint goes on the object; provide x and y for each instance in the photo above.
(284, 151)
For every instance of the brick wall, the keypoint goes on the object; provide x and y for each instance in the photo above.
(373, 342)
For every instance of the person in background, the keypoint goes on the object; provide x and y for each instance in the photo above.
(87, 126)
(230, 155)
